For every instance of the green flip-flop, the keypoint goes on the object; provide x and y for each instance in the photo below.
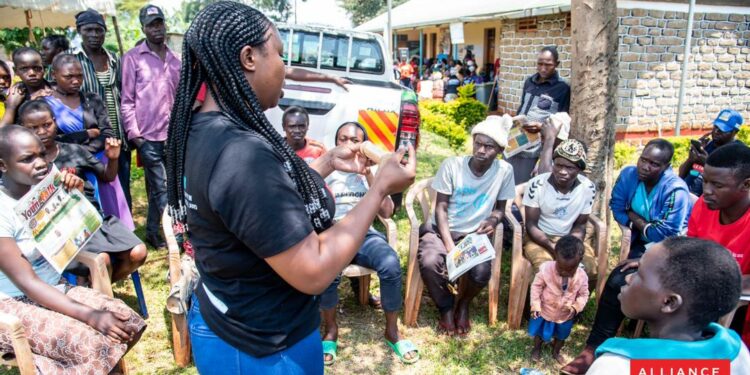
(402, 347)
(329, 347)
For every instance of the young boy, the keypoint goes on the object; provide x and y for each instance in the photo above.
(722, 214)
(682, 285)
(560, 291)
(471, 196)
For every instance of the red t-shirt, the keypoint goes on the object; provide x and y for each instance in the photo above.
(311, 151)
(704, 223)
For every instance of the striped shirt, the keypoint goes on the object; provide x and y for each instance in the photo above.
(109, 100)
(91, 84)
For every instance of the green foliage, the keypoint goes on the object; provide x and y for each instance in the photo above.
(362, 11)
(130, 6)
(12, 39)
(744, 135)
(625, 154)
(437, 118)
(681, 149)
(468, 112)
(467, 91)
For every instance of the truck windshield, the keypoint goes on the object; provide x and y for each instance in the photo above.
(366, 54)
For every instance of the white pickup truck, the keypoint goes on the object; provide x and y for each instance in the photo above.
(387, 110)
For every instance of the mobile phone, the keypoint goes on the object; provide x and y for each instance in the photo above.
(697, 144)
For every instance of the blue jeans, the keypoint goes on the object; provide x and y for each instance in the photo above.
(152, 156)
(376, 254)
(212, 355)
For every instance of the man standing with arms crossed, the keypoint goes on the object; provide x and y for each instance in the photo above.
(150, 75)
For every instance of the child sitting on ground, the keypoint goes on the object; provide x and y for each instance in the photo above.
(559, 292)
(682, 285)
(71, 330)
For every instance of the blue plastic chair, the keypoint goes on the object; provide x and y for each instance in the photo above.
(136, 284)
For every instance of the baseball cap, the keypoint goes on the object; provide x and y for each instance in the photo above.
(90, 16)
(149, 13)
(728, 120)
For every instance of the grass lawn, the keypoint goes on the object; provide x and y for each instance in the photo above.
(362, 349)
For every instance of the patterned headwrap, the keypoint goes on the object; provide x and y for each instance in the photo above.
(572, 150)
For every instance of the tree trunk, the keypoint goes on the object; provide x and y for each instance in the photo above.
(593, 109)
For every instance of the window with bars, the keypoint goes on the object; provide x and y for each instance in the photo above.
(526, 24)
(567, 21)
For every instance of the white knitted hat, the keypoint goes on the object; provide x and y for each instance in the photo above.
(495, 127)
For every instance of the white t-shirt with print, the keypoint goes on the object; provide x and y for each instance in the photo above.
(472, 198)
(559, 211)
(11, 226)
(348, 189)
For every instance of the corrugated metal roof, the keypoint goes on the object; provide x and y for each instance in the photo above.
(420, 13)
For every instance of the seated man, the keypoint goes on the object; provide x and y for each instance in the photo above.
(375, 253)
(722, 214)
(655, 203)
(295, 122)
(471, 196)
(682, 285)
(726, 127)
(557, 204)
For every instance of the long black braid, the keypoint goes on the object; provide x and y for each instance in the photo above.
(211, 51)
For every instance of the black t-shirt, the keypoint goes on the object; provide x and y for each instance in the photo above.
(243, 207)
(77, 159)
(552, 95)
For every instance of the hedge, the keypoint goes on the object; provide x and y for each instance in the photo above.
(452, 120)
(627, 154)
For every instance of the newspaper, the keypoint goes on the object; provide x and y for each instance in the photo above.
(472, 250)
(519, 140)
(60, 221)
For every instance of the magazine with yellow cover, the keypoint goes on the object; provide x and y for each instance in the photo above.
(60, 221)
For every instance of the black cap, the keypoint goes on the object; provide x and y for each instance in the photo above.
(90, 16)
(149, 13)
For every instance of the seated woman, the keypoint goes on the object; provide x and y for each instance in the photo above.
(375, 253)
(682, 285)
(82, 118)
(58, 319)
(126, 252)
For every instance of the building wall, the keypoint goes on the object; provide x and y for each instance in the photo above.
(650, 52)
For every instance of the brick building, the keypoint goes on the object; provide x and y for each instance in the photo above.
(652, 38)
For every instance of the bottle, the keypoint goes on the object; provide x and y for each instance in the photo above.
(372, 151)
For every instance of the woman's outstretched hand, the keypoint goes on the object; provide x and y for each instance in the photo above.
(393, 175)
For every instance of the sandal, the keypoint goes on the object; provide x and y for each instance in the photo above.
(401, 348)
(330, 348)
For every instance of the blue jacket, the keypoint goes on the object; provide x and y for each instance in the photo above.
(670, 209)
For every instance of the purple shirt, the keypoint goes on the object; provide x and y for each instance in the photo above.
(148, 90)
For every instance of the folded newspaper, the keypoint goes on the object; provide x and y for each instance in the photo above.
(472, 250)
(60, 221)
(518, 139)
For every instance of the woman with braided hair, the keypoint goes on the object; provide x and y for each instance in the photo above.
(260, 220)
